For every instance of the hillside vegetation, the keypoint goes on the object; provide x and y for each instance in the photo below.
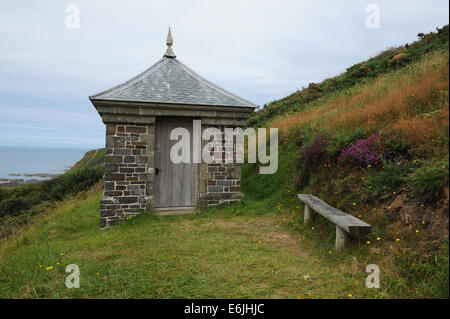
(372, 142)
(386, 61)
(20, 205)
(93, 158)
(241, 251)
(375, 147)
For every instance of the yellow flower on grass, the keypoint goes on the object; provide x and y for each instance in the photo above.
(61, 254)
(397, 239)
(394, 193)
(374, 209)
(369, 165)
(312, 228)
(259, 242)
(378, 238)
(359, 216)
(58, 263)
(97, 274)
(41, 266)
(330, 252)
(368, 242)
(389, 207)
(49, 268)
(417, 230)
(350, 295)
(354, 204)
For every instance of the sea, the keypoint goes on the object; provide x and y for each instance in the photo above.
(36, 160)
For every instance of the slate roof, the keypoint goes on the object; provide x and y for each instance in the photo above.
(170, 81)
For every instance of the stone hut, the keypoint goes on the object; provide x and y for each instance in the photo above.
(139, 115)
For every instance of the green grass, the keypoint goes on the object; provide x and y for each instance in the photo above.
(247, 250)
(93, 158)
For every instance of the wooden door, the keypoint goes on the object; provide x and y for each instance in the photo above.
(175, 184)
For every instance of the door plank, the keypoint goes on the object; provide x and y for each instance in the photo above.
(176, 184)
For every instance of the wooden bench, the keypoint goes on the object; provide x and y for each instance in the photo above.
(347, 226)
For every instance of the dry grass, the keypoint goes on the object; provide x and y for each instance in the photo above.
(394, 99)
(420, 129)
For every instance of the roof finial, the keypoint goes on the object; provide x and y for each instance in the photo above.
(169, 52)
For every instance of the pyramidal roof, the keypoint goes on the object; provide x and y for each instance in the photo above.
(170, 81)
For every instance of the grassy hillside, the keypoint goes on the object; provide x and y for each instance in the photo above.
(21, 204)
(243, 251)
(364, 72)
(93, 158)
(372, 142)
(378, 149)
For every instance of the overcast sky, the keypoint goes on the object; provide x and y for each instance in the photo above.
(259, 50)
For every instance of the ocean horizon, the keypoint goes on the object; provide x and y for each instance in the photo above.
(20, 160)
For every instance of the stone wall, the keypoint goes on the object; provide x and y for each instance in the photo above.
(129, 168)
(129, 164)
(220, 183)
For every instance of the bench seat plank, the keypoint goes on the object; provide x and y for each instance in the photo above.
(352, 225)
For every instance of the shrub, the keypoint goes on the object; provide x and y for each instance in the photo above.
(317, 151)
(341, 140)
(21, 199)
(429, 181)
(386, 181)
(396, 148)
(13, 206)
(366, 151)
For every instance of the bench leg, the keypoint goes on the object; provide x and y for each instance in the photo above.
(308, 215)
(342, 238)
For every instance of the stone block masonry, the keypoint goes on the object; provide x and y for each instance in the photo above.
(220, 183)
(129, 165)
